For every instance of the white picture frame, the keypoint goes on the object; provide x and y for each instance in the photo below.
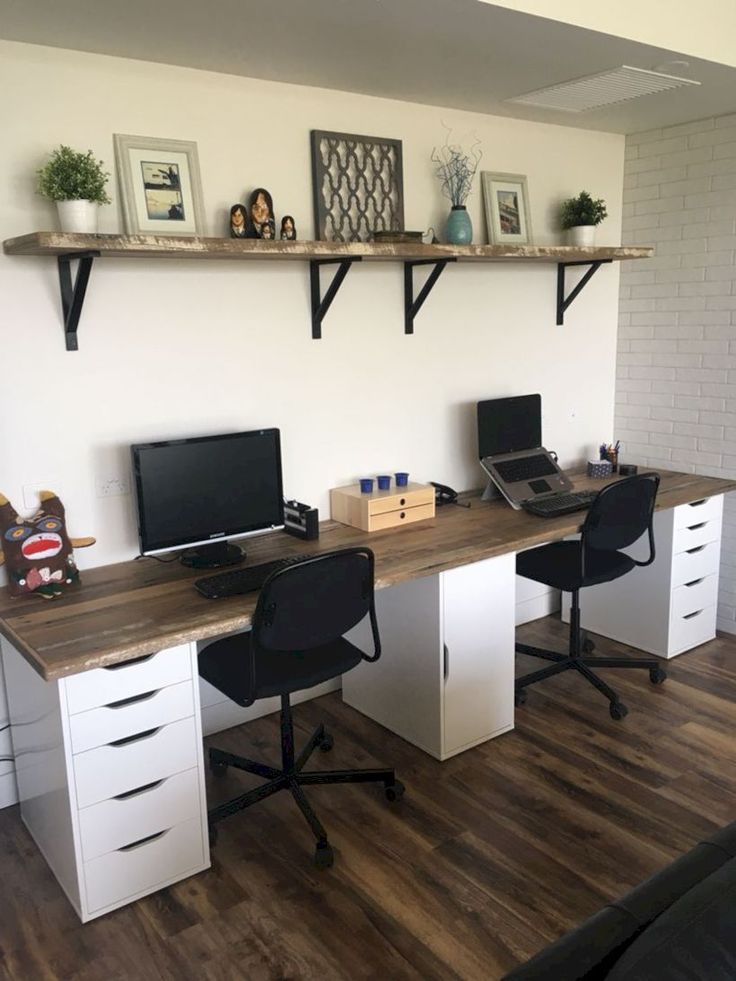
(506, 201)
(160, 186)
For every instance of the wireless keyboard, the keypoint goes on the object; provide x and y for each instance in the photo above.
(237, 581)
(551, 507)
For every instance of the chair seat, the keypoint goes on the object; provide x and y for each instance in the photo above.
(226, 664)
(558, 565)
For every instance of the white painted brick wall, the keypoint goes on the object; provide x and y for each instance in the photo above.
(676, 370)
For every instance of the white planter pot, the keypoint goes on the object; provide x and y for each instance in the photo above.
(581, 235)
(78, 216)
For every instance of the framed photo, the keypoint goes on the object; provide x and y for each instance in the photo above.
(507, 208)
(358, 186)
(160, 186)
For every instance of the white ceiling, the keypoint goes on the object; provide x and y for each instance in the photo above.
(455, 53)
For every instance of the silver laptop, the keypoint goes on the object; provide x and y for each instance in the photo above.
(511, 451)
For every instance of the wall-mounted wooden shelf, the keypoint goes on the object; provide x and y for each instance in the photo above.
(85, 248)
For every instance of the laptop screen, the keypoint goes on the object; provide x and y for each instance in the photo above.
(509, 425)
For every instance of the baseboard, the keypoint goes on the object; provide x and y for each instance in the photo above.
(537, 607)
(226, 714)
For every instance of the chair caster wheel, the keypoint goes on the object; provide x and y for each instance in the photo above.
(217, 768)
(618, 710)
(324, 857)
(588, 646)
(657, 675)
(395, 791)
(212, 834)
(520, 697)
(326, 743)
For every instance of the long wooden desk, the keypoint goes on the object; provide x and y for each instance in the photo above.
(104, 694)
(129, 609)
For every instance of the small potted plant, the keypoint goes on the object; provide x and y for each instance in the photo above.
(456, 169)
(580, 215)
(76, 181)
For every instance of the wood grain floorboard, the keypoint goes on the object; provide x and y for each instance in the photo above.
(489, 857)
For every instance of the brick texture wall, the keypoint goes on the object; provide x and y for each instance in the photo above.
(676, 361)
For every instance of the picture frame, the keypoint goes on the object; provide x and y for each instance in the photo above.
(357, 185)
(506, 201)
(160, 185)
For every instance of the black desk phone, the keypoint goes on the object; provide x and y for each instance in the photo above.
(446, 495)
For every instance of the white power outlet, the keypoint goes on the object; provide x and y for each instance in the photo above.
(112, 486)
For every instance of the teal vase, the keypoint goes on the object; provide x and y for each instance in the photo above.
(459, 229)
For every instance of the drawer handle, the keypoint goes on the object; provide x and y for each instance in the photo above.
(697, 504)
(134, 738)
(696, 527)
(445, 662)
(692, 551)
(403, 514)
(402, 502)
(695, 582)
(143, 841)
(690, 616)
(121, 703)
(131, 663)
(140, 790)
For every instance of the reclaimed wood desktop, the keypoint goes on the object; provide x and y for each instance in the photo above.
(123, 611)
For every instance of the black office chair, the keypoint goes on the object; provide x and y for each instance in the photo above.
(618, 516)
(296, 642)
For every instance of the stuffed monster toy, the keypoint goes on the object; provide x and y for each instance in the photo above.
(37, 550)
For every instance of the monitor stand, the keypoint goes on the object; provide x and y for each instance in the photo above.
(213, 556)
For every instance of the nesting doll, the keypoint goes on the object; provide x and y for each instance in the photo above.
(37, 550)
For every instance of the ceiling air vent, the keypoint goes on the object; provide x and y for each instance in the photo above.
(605, 89)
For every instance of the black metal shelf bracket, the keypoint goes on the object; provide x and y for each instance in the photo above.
(413, 306)
(563, 302)
(72, 292)
(321, 304)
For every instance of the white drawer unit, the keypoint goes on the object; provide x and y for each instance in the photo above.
(445, 679)
(111, 775)
(668, 607)
(128, 763)
(128, 716)
(144, 865)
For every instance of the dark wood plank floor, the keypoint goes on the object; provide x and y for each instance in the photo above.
(490, 856)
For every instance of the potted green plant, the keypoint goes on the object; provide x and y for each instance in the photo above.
(580, 215)
(76, 181)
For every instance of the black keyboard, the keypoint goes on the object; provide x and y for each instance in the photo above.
(525, 468)
(551, 507)
(237, 581)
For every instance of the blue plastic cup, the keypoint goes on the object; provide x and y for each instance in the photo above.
(384, 482)
(402, 479)
(366, 485)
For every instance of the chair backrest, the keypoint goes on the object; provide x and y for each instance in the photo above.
(315, 601)
(620, 514)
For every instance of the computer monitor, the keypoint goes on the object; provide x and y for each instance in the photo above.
(201, 492)
(508, 425)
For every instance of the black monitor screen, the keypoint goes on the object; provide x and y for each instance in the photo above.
(508, 425)
(207, 488)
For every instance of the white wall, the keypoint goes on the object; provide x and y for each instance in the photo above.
(172, 348)
(676, 393)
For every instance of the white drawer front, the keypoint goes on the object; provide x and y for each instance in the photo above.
(110, 770)
(120, 820)
(90, 689)
(695, 595)
(692, 630)
(99, 726)
(702, 561)
(691, 536)
(144, 867)
(708, 509)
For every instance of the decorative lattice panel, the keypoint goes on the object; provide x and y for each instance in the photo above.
(358, 186)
